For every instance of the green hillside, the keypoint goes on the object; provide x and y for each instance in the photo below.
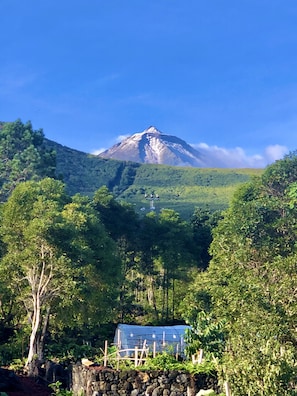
(179, 188)
(183, 189)
(84, 173)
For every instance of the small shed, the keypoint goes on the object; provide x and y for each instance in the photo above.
(157, 338)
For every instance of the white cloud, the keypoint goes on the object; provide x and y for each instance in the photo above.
(221, 157)
(98, 151)
(120, 138)
(275, 152)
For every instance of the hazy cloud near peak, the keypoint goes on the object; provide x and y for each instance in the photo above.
(120, 138)
(237, 157)
(98, 151)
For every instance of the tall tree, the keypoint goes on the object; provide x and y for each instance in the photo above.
(37, 267)
(122, 224)
(173, 234)
(166, 256)
(23, 156)
(54, 253)
(96, 254)
(203, 221)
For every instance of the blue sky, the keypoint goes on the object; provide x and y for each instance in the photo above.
(221, 75)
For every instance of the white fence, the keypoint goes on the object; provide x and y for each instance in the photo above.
(136, 355)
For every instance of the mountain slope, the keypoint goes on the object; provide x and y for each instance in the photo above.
(179, 188)
(84, 173)
(153, 147)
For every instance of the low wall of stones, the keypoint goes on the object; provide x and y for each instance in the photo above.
(100, 381)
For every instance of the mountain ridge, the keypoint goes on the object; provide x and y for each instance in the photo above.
(154, 147)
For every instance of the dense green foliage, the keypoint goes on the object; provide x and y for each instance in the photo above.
(167, 361)
(57, 256)
(23, 156)
(63, 252)
(250, 285)
(157, 253)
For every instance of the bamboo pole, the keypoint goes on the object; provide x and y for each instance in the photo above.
(118, 357)
(105, 353)
(119, 339)
(177, 352)
(136, 356)
(142, 352)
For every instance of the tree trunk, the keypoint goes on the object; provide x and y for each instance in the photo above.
(167, 295)
(173, 298)
(33, 336)
(151, 296)
(164, 294)
(40, 340)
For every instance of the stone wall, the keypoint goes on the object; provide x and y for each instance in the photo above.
(100, 381)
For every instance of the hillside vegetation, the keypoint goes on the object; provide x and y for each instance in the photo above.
(75, 265)
(184, 189)
(181, 189)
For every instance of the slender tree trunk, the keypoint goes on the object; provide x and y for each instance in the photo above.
(39, 281)
(173, 298)
(167, 294)
(164, 294)
(151, 296)
(34, 329)
(40, 340)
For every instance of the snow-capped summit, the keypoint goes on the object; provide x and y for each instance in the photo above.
(153, 147)
(151, 129)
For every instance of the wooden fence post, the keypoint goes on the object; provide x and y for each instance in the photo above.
(177, 352)
(142, 352)
(136, 356)
(118, 357)
(119, 339)
(105, 353)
